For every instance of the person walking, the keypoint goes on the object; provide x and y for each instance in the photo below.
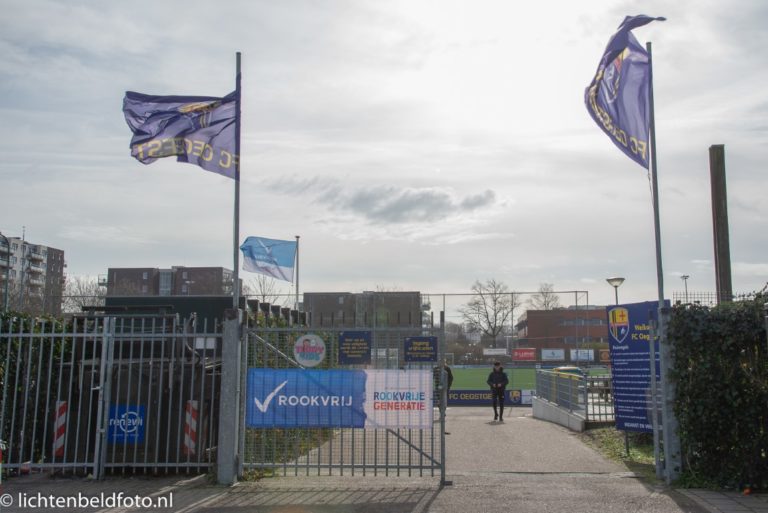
(449, 374)
(498, 381)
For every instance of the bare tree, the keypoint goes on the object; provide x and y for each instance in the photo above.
(490, 308)
(545, 298)
(266, 290)
(23, 299)
(81, 291)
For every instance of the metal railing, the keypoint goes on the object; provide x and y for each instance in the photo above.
(589, 397)
(343, 450)
(104, 394)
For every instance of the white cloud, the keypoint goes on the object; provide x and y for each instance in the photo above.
(349, 110)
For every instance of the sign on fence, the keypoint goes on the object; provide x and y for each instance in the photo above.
(309, 350)
(485, 398)
(526, 354)
(552, 355)
(354, 347)
(290, 398)
(126, 424)
(629, 343)
(582, 355)
(420, 349)
(495, 351)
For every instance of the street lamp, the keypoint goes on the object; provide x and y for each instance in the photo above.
(7, 270)
(615, 282)
(685, 282)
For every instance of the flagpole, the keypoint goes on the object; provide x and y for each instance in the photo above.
(659, 272)
(668, 420)
(236, 223)
(297, 273)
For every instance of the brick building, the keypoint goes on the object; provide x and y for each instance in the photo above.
(176, 281)
(368, 309)
(563, 328)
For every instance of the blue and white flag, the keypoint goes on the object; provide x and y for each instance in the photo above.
(195, 129)
(275, 258)
(617, 98)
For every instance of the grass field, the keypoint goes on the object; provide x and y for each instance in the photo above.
(474, 379)
(523, 379)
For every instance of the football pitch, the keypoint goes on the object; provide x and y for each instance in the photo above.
(474, 378)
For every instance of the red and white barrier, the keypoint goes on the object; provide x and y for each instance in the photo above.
(59, 427)
(190, 428)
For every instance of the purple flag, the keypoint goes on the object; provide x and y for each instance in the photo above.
(195, 129)
(617, 98)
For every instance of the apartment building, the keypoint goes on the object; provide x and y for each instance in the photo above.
(35, 275)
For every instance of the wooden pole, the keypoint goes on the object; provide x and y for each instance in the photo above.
(723, 283)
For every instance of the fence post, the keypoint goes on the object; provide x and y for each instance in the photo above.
(229, 406)
(765, 311)
(105, 398)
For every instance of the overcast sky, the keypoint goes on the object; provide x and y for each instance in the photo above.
(414, 145)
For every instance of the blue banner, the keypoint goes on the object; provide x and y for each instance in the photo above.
(354, 347)
(126, 424)
(515, 397)
(289, 398)
(420, 349)
(199, 130)
(272, 257)
(617, 97)
(629, 343)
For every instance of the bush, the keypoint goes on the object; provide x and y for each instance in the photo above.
(721, 372)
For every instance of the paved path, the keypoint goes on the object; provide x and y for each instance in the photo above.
(523, 465)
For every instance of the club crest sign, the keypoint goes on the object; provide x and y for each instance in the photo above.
(618, 323)
(309, 350)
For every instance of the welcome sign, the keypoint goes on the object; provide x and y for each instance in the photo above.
(289, 398)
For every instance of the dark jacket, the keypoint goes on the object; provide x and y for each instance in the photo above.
(449, 376)
(496, 378)
(449, 372)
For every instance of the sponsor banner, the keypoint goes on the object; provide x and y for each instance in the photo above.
(582, 355)
(495, 351)
(309, 350)
(605, 356)
(629, 341)
(285, 398)
(484, 398)
(553, 355)
(522, 397)
(527, 354)
(420, 349)
(126, 424)
(354, 347)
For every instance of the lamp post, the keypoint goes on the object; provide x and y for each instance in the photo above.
(616, 282)
(685, 282)
(7, 270)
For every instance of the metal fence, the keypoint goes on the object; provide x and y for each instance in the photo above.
(103, 394)
(589, 397)
(343, 450)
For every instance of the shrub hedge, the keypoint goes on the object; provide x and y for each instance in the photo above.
(720, 360)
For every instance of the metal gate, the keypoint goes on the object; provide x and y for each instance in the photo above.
(105, 394)
(338, 449)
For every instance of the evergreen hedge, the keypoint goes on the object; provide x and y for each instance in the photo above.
(720, 360)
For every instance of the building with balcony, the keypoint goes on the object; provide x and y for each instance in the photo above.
(35, 276)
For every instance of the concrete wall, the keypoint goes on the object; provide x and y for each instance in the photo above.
(544, 410)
